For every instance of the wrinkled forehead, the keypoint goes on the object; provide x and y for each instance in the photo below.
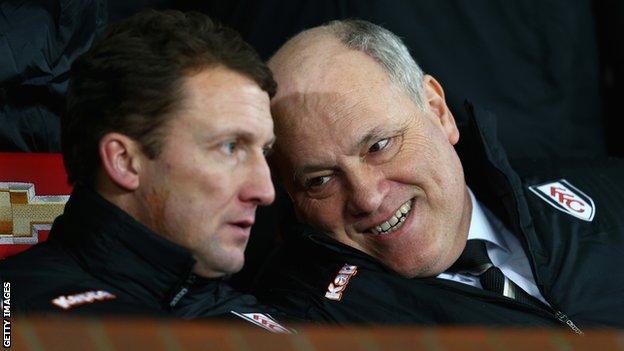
(324, 79)
(325, 69)
(320, 122)
(323, 105)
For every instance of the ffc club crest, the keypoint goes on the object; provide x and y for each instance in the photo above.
(566, 198)
(265, 321)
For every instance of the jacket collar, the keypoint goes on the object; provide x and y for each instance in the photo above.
(119, 250)
(489, 174)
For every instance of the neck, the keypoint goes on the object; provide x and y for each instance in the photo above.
(127, 201)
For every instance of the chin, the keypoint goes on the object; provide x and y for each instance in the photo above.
(418, 267)
(235, 265)
(236, 268)
(412, 272)
(219, 265)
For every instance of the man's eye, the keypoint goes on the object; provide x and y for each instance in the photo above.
(317, 182)
(267, 151)
(380, 145)
(229, 147)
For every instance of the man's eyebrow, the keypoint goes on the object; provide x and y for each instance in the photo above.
(311, 169)
(234, 132)
(374, 134)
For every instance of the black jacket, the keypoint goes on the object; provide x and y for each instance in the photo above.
(578, 265)
(99, 260)
(39, 41)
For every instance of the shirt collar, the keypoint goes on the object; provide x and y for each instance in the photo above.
(481, 226)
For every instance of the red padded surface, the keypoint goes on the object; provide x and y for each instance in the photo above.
(46, 171)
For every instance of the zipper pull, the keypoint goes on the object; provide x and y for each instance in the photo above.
(563, 318)
(182, 290)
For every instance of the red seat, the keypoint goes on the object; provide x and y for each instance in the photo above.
(33, 192)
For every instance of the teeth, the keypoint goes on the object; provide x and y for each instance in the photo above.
(395, 221)
(405, 208)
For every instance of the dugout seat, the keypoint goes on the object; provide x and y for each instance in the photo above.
(33, 192)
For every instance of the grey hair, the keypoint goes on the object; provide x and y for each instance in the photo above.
(384, 47)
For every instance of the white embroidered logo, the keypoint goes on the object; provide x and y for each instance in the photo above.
(566, 198)
(69, 301)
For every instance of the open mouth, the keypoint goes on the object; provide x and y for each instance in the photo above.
(395, 221)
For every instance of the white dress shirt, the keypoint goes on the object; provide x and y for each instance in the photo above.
(503, 248)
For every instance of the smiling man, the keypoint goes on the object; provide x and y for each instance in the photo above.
(395, 230)
(164, 139)
(382, 155)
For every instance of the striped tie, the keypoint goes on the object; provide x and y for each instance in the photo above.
(475, 261)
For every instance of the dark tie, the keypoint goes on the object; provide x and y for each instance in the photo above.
(475, 261)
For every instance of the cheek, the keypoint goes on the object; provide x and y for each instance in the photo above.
(207, 182)
(156, 199)
(408, 173)
(447, 173)
(415, 154)
(427, 163)
(322, 214)
(199, 197)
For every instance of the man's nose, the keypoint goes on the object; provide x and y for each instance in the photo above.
(366, 190)
(258, 187)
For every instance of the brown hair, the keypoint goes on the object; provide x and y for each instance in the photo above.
(130, 81)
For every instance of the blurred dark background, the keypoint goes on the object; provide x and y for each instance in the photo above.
(552, 71)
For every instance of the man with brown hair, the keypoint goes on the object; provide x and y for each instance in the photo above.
(164, 139)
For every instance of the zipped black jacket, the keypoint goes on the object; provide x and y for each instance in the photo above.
(578, 265)
(39, 41)
(98, 260)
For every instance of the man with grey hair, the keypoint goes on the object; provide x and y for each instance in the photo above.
(402, 223)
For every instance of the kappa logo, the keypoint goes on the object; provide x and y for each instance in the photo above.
(69, 301)
(339, 284)
(264, 321)
(566, 198)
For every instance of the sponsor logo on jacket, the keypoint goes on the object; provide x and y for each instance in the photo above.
(23, 214)
(69, 301)
(566, 198)
(337, 287)
(263, 320)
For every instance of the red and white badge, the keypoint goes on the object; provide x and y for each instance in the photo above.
(263, 320)
(567, 198)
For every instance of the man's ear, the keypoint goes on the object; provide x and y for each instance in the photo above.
(121, 160)
(437, 105)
